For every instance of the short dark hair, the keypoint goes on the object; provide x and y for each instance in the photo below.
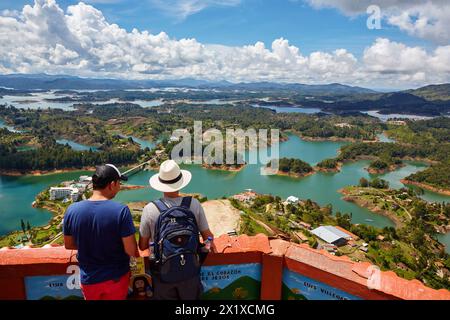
(100, 183)
(104, 175)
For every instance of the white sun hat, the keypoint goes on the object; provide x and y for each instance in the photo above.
(170, 178)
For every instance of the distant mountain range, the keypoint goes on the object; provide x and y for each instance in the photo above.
(335, 97)
(54, 82)
(433, 92)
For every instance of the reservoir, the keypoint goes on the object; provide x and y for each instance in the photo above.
(143, 143)
(76, 146)
(4, 125)
(386, 117)
(18, 193)
(43, 100)
(279, 109)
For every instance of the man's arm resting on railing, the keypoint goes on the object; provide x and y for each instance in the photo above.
(143, 242)
(130, 246)
(69, 243)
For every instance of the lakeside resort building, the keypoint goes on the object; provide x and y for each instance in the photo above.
(63, 193)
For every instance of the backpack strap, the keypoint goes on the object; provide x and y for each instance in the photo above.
(160, 205)
(186, 202)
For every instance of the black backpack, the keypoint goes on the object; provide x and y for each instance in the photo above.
(176, 242)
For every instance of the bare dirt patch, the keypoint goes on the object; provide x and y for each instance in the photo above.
(222, 216)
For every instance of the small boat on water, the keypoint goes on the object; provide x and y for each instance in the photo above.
(369, 220)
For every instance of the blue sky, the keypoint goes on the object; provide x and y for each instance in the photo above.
(250, 21)
(306, 41)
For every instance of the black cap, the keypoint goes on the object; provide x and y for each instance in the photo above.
(107, 173)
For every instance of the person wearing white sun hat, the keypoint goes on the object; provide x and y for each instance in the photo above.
(170, 180)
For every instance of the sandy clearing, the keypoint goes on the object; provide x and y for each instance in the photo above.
(222, 216)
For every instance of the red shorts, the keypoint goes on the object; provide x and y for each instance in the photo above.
(107, 290)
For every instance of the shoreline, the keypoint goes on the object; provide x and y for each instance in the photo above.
(332, 139)
(324, 139)
(223, 168)
(369, 157)
(55, 213)
(372, 208)
(132, 187)
(35, 173)
(337, 169)
(425, 186)
(391, 168)
(295, 175)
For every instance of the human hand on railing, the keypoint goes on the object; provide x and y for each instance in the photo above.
(213, 248)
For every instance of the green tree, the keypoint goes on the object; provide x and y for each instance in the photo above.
(22, 225)
(363, 183)
(379, 183)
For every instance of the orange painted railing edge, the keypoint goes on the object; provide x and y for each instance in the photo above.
(274, 256)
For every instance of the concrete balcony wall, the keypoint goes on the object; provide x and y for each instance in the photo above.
(244, 268)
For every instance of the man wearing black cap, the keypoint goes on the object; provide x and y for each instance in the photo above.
(103, 233)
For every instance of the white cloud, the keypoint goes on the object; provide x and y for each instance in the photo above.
(392, 57)
(181, 9)
(80, 41)
(10, 13)
(429, 19)
(395, 60)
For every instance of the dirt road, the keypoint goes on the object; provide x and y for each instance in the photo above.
(222, 216)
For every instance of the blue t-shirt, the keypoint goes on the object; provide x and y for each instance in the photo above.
(98, 228)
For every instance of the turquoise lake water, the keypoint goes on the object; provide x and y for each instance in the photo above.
(143, 143)
(17, 193)
(76, 146)
(4, 125)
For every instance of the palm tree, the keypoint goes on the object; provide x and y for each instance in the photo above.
(29, 229)
(22, 224)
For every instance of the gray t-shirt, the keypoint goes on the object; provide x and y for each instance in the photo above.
(150, 216)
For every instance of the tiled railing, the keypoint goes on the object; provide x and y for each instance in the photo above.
(244, 268)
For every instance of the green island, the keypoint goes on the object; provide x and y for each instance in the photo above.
(385, 165)
(329, 165)
(104, 128)
(436, 178)
(293, 167)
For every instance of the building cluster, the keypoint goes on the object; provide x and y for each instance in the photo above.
(330, 238)
(397, 122)
(343, 125)
(247, 197)
(71, 190)
(291, 200)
